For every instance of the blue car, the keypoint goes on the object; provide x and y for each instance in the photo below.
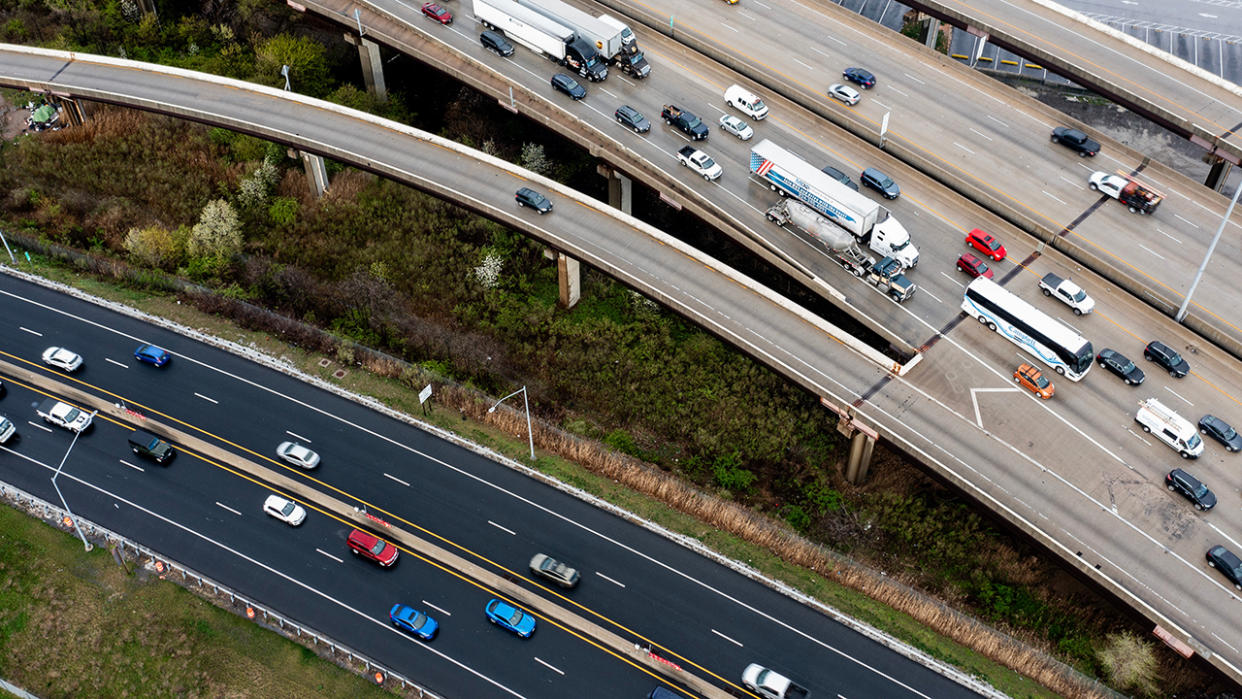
(413, 621)
(507, 616)
(150, 354)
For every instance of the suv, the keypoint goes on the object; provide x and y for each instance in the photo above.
(150, 446)
(880, 182)
(1075, 140)
(860, 77)
(566, 84)
(529, 197)
(372, 548)
(633, 119)
(1227, 562)
(1181, 482)
(1160, 353)
(496, 43)
(839, 176)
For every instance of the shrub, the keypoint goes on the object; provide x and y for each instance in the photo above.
(154, 246)
(796, 517)
(308, 65)
(624, 442)
(217, 235)
(283, 211)
(1130, 662)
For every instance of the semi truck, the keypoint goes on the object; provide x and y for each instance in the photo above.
(611, 38)
(790, 175)
(621, 49)
(885, 275)
(63, 415)
(538, 33)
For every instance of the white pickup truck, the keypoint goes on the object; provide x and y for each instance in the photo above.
(700, 162)
(63, 415)
(1068, 293)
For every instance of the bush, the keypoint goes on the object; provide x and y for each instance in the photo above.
(1130, 663)
(154, 246)
(217, 235)
(307, 61)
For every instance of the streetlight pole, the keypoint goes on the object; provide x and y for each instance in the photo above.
(63, 459)
(1181, 312)
(530, 436)
(284, 71)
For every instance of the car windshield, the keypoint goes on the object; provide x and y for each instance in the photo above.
(72, 415)
(886, 182)
(758, 104)
(417, 619)
(693, 122)
(1229, 433)
(903, 245)
(1175, 358)
(708, 162)
(992, 244)
(1127, 367)
(1200, 491)
(1079, 296)
(1041, 381)
(1194, 441)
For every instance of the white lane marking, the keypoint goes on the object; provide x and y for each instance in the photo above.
(43, 427)
(730, 640)
(618, 583)
(1186, 220)
(503, 529)
(606, 92)
(925, 291)
(1230, 539)
(808, 66)
(1141, 438)
(914, 79)
(1178, 395)
(113, 361)
(389, 475)
(338, 560)
(445, 612)
(946, 276)
(998, 121)
(974, 401)
(963, 148)
(213, 400)
(820, 52)
(1066, 179)
(136, 468)
(756, 2)
(222, 505)
(553, 668)
(1204, 14)
(298, 437)
(32, 332)
(1235, 650)
(833, 38)
(1051, 196)
(980, 133)
(727, 27)
(885, 106)
(893, 89)
(1151, 251)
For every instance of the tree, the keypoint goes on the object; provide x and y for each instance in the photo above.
(308, 66)
(535, 159)
(216, 238)
(1130, 663)
(154, 246)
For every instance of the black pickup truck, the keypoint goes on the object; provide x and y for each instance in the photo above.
(686, 122)
(1075, 140)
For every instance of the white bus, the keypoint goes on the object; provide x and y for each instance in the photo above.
(1053, 343)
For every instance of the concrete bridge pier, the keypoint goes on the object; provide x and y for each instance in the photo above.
(620, 189)
(316, 172)
(933, 30)
(72, 111)
(568, 280)
(372, 66)
(862, 443)
(1219, 172)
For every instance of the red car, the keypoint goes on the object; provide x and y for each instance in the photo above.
(973, 266)
(437, 13)
(986, 243)
(372, 548)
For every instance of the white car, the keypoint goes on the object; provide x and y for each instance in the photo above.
(284, 510)
(62, 358)
(845, 93)
(297, 455)
(736, 126)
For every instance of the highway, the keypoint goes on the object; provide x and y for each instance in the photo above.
(1154, 256)
(1073, 472)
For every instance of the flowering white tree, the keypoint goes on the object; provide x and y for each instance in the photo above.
(217, 235)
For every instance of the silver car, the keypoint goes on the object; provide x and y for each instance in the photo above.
(551, 569)
(845, 93)
(736, 126)
(284, 510)
(297, 455)
(62, 359)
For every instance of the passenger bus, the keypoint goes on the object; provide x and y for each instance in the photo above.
(1052, 342)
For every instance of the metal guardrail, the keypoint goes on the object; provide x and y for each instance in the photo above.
(190, 579)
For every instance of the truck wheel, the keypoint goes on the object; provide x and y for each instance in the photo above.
(858, 273)
(991, 326)
(1094, 187)
(1046, 292)
(1185, 455)
(1133, 210)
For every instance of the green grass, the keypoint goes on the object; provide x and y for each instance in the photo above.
(76, 624)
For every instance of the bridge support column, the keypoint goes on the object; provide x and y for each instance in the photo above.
(933, 30)
(372, 66)
(568, 279)
(859, 464)
(1217, 175)
(316, 172)
(620, 188)
(72, 111)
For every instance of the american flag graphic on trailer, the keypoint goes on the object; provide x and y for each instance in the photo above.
(759, 165)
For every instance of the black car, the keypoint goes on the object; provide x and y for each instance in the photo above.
(1160, 353)
(1075, 140)
(529, 197)
(1117, 363)
(1220, 430)
(880, 182)
(1226, 562)
(496, 43)
(839, 176)
(1181, 482)
(566, 84)
(860, 77)
(632, 118)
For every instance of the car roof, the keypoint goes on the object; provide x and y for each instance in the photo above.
(1227, 556)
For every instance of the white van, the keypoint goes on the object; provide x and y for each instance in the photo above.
(1169, 427)
(745, 101)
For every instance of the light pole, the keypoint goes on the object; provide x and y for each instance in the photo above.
(1181, 312)
(63, 459)
(284, 71)
(529, 435)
